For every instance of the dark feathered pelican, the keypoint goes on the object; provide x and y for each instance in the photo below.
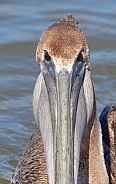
(66, 147)
(108, 125)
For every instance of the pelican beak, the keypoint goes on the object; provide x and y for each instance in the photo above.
(58, 98)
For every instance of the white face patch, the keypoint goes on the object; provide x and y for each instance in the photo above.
(60, 65)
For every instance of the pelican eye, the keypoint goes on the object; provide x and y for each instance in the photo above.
(79, 57)
(47, 56)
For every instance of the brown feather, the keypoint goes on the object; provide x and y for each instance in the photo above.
(63, 41)
(32, 166)
(108, 124)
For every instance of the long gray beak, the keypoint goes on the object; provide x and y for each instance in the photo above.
(60, 110)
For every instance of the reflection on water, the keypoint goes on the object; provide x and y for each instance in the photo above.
(21, 24)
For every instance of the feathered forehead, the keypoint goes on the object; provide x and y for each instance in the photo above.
(63, 41)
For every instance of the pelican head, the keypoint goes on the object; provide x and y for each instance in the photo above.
(63, 98)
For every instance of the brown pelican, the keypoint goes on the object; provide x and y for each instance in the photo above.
(66, 147)
(108, 124)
